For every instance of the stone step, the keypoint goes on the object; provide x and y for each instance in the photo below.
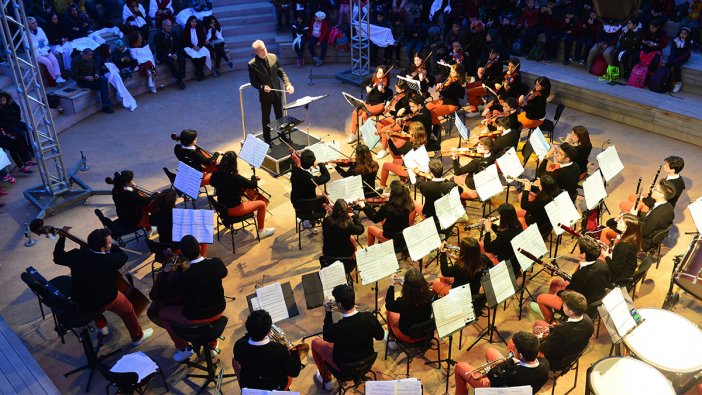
(287, 55)
(245, 20)
(245, 9)
(233, 30)
(245, 40)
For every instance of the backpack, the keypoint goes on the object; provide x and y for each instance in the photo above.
(599, 66)
(638, 76)
(537, 52)
(612, 74)
(660, 80)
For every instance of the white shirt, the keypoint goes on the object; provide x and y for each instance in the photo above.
(346, 315)
(153, 7)
(506, 131)
(263, 342)
(566, 164)
(138, 21)
(575, 319)
(40, 43)
(673, 177)
(588, 263)
(654, 206)
(197, 260)
(193, 37)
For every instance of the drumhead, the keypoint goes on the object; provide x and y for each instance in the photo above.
(625, 375)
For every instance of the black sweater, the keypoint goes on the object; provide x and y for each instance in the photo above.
(229, 187)
(409, 314)
(567, 177)
(129, 206)
(536, 212)
(394, 223)
(623, 262)
(582, 157)
(459, 275)
(192, 157)
(352, 336)
(535, 107)
(475, 166)
(368, 179)
(517, 375)
(433, 190)
(303, 183)
(337, 241)
(265, 367)
(501, 246)
(399, 151)
(201, 287)
(452, 93)
(375, 96)
(566, 339)
(679, 184)
(591, 281)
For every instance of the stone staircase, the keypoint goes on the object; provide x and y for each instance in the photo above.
(243, 22)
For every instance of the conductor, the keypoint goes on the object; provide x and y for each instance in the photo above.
(265, 73)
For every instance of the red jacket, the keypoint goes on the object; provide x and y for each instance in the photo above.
(200, 38)
(325, 30)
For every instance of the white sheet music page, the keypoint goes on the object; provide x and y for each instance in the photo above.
(331, 276)
(421, 239)
(510, 165)
(325, 152)
(462, 129)
(453, 311)
(4, 160)
(370, 133)
(618, 311)
(501, 282)
(421, 158)
(449, 208)
(271, 299)
(594, 190)
(409, 159)
(529, 240)
(188, 180)
(254, 151)
(376, 262)
(522, 390)
(197, 223)
(487, 183)
(562, 211)
(696, 212)
(136, 362)
(414, 85)
(349, 189)
(609, 163)
(539, 143)
(408, 386)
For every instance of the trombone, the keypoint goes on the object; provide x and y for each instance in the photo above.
(482, 371)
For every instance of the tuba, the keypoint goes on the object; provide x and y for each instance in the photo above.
(278, 335)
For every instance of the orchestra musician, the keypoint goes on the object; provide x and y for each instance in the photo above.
(93, 287)
(450, 92)
(579, 137)
(395, 108)
(508, 109)
(567, 173)
(189, 153)
(627, 244)
(591, 279)
(418, 71)
(407, 313)
(463, 175)
(570, 335)
(365, 166)
(435, 188)
(397, 214)
(230, 185)
(132, 206)
(467, 268)
(533, 201)
(378, 92)
(162, 218)
(418, 137)
(260, 362)
(672, 166)
(509, 129)
(498, 238)
(202, 293)
(508, 87)
(346, 341)
(304, 184)
(488, 75)
(525, 368)
(534, 104)
(418, 113)
(338, 231)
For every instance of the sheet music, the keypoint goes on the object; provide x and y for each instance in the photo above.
(462, 129)
(449, 208)
(271, 299)
(487, 183)
(510, 165)
(370, 133)
(136, 362)
(539, 143)
(696, 212)
(562, 211)
(350, 99)
(609, 163)
(501, 282)
(376, 262)
(331, 276)
(254, 151)
(412, 176)
(594, 190)
(414, 85)
(198, 223)
(421, 158)
(529, 240)
(453, 311)
(349, 189)
(618, 311)
(421, 239)
(249, 391)
(254, 304)
(4, 160)
(522, 390)
(188, 180)
(408, 386)
(325, 152)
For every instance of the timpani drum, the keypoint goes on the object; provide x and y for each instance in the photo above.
(625, 375)
(666, 341)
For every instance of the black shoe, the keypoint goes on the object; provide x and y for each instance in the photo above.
(268, 140)
(180, 84)
(107, 110)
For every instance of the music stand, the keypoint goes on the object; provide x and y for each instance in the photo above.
(359, 105)
(287, 295)
(305, 102)
(283, 125)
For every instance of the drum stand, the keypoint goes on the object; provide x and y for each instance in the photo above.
(671, 299)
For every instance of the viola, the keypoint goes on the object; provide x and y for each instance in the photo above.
(379, 200)
(400, 134)
(253, 194)
(469, 152)
(343, 161)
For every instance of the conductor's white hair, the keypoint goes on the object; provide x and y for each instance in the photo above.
(257, 44)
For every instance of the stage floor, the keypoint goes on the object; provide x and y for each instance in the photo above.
(140, 141)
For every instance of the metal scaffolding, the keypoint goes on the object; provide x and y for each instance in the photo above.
(59, 188)
(360, 43)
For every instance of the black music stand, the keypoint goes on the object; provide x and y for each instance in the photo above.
(283, 126)
(359, 105)
(287, 295)
(305, 102)
(493, 303)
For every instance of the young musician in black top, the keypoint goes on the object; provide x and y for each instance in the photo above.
(259, 361)
(364, 166)
(418, 71)
(450, 91)
(467, 268)
(395, 215)
(418, 114)
(661, 215)
(509, 129)
(189, 153)
(565, 171)
(395, 109)
(435, 188)
(500, 246)
(533, 204)
(304, 184)
(534, 104)
(378, 92)
(672, 166)
(591, 279)
(230, 186)
(525, 368)
(338, 231)
(162, 217)
(579, 138)
(418, 137)
(93, 287)
(132, 206)
(622, 263)
(410, 309)
(476, 165)
(508, 87)
(348, 340)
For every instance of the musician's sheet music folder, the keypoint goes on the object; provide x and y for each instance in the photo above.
(287, 294)
(408, 386)
(454, 311)
(313, 290)
(499, 283)
(522, 390)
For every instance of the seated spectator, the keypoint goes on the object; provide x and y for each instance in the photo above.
(139, 50)
(107, 68)
(168, 51)
(215, 43)
(565, 31)
(625, 53)
(133, 14)
(606, 38)
(680, 51)
(12, 125)
(122, 58)
(101, 12)
(75, 24)
(42, 51)
(586, 32)
(201, 5)
(58, 40)
(194, 46)
(160, 10)
(652, 43)
(85, 72)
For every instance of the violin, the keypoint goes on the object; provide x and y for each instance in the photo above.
(373, 201)
(469, 152)
(343, 161)
(400, 134)
(449, 81)
(253, 194)
(295, 157)
(491, 133)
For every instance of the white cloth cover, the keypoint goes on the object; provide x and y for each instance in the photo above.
(183, 16)
(380, 36)
(142, 55)
(201, 53)
(115, 79)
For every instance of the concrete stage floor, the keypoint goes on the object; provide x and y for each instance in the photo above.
(140, 141)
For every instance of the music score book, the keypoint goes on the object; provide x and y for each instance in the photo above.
(270, 298)
(197, 223)
(462, 129)
(616, 312)
(376, 262)
(369, 132)
(408, 386)
(414, 85)
(188, 180)
(449, 208)
(529, 240)
(521, 390)
(561, 210)
(487, 183)
(254, 151)
(136, 362)
(417, 159)
(325, 152)
(4, 160)
(499, 284)
(594, 190)
(249, 391)
(609, 162)
(539, 143)
(696, 212)
(331, 276)
(421, 239)
(453, 311)
(350, 189)
(510, 165)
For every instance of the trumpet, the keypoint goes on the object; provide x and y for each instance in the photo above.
(278, 335)
(483, 370)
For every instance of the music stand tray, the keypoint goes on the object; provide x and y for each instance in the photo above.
(284, 125)
(314, 292)
(287, 295)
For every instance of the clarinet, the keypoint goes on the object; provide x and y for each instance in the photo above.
(638, 192)
(653, 184)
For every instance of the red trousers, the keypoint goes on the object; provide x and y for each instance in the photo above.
(249, 207)
(123, 308)
(374, 109)
(322, 352)
(394, 327)
(465, 379)
(437, 108)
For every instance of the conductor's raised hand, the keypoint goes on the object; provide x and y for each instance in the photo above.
(290, 89)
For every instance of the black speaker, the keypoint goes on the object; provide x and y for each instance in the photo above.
(618, 10)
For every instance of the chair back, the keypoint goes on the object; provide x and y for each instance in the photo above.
(558, 113)
(219, 208)
(660, 236)
(646, 264)
(567, 363)
(106, 222)
(422, 330)
(126, 383)
(355, 370)
(309, 209)
(158, 249)
(201, 334)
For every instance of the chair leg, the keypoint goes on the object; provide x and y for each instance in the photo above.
(553, 387)
(231, 232)
(256, 226)
(299, 236)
